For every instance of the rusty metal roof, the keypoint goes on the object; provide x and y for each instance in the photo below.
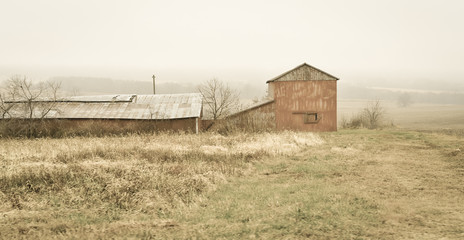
(299, 66)
(159, 106)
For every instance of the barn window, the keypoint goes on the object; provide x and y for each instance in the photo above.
(309, 118)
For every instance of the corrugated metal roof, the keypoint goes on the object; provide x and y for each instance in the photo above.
(100, 98)
(159, 106)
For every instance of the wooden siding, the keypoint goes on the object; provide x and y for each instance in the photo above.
(294, 98)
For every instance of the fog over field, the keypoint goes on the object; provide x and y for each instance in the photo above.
(116, 46)
(418, 91)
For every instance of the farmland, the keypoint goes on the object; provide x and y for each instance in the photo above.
(392, 183)
(415, 117)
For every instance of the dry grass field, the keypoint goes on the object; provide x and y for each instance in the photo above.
(350, 184)
(400, 182)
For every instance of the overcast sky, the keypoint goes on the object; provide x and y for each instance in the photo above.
(240, 40)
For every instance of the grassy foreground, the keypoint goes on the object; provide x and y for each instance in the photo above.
(351, 184)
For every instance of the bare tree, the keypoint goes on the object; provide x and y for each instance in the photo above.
(373, 114)
(28, 100)
(404, 100)
(22, 103)
(219, 99)
(4, 107)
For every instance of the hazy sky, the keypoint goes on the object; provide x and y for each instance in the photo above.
(240, 40)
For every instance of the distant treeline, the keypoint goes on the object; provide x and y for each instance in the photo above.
(346, 90)
(90, 86)
(86, 85)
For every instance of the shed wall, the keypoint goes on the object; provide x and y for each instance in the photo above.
(294, 98)
(187, 124)
(258, 118)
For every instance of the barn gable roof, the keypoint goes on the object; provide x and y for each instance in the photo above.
(304, 72)
(136, 107)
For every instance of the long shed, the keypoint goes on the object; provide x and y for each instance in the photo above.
(168, 111)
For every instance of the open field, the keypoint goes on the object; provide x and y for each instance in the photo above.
(364, 184)
(416, 116)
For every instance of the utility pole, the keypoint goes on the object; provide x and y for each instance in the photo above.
(154, 92)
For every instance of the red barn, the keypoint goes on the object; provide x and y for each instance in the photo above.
(302, 99)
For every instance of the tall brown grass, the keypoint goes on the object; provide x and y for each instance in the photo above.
(350, 184)
(100, 179)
